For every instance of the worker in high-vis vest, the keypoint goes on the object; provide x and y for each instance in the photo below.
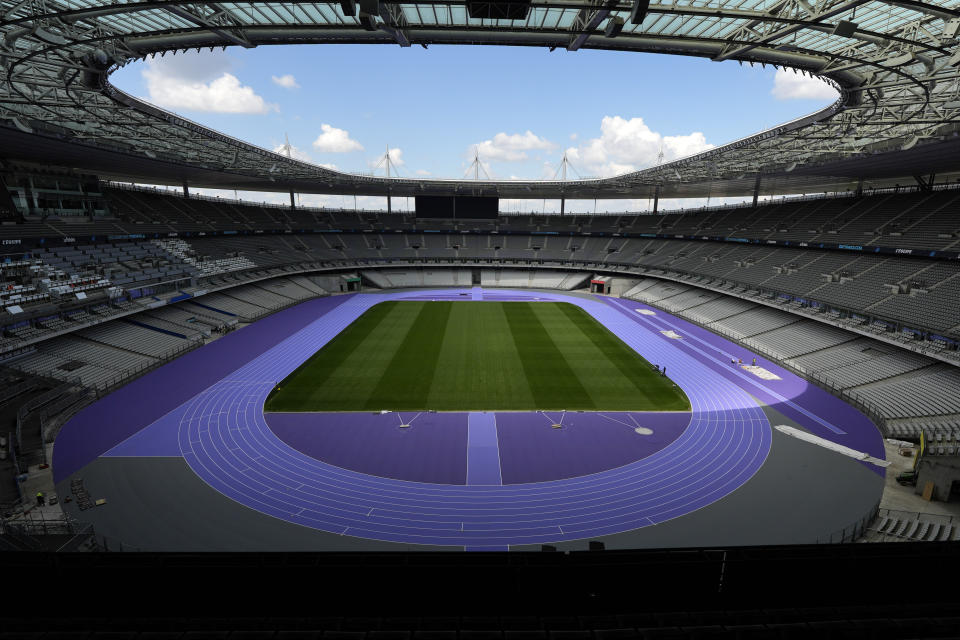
(41, 499)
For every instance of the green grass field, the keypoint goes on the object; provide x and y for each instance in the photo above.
(464, 355)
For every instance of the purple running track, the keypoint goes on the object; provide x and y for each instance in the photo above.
(435, 446)
(432, 449)
(226, 440)
(531, 450)
(125, 411)
(483, 449)
(820, 412)
(224, 437)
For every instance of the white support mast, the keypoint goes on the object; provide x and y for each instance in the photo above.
(476, 166)
(289, 151)
(562, 172)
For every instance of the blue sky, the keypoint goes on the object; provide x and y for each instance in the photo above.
(341, 105)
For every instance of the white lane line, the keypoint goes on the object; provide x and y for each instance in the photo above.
(614, 492)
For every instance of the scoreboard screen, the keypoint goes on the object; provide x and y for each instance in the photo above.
(470, 207)
(476, 207)
(434, 206)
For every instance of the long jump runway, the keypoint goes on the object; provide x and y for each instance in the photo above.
(218, 427)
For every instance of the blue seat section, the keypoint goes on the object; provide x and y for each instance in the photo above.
(153, 328)
(206, 306)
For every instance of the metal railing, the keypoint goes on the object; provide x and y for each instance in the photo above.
(747, 204)
(103, 388)
(925, 516)
(33, 530)
(50, 422)
(852, 532)
(942, 523)
(33, 404)
(283, 208)
(17, 389)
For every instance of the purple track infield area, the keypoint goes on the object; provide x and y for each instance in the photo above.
(433, 447)
(472, 480)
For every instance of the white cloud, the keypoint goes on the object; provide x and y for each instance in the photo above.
(198, 82)
(295, 152)
(333, 140)
(422, 172)
(510, 147)
(790, 85)
(630, 145)
(192, 65)
(548, 171)
(286, 81)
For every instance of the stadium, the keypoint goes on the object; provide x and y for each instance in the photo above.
(440, 373)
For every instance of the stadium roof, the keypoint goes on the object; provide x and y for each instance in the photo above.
(894, 62)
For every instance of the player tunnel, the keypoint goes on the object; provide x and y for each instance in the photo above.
(600, 284)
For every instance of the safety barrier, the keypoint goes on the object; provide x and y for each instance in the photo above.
(852, 532)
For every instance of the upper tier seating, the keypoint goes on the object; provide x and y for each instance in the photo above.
(919, 293)
(924, 220)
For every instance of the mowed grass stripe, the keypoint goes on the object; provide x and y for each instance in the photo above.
(342, 372)
(483, 355)
(479, 365)
(602, 380)
(610, 390)
(406, 382)
(553, 383)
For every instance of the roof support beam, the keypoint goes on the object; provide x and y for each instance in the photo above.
(923, 7)
(591, 25)
(393, 19)
(227, 34)
(776, 35)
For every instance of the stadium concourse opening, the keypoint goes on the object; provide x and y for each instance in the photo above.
(472, 355)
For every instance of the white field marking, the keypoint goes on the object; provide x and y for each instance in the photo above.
(672, 334)
(297, 466)
(499, 462)
(761, 373)
(640, 429)
(603, 415)
(646, 312)
(833, 446)
(551, 420)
